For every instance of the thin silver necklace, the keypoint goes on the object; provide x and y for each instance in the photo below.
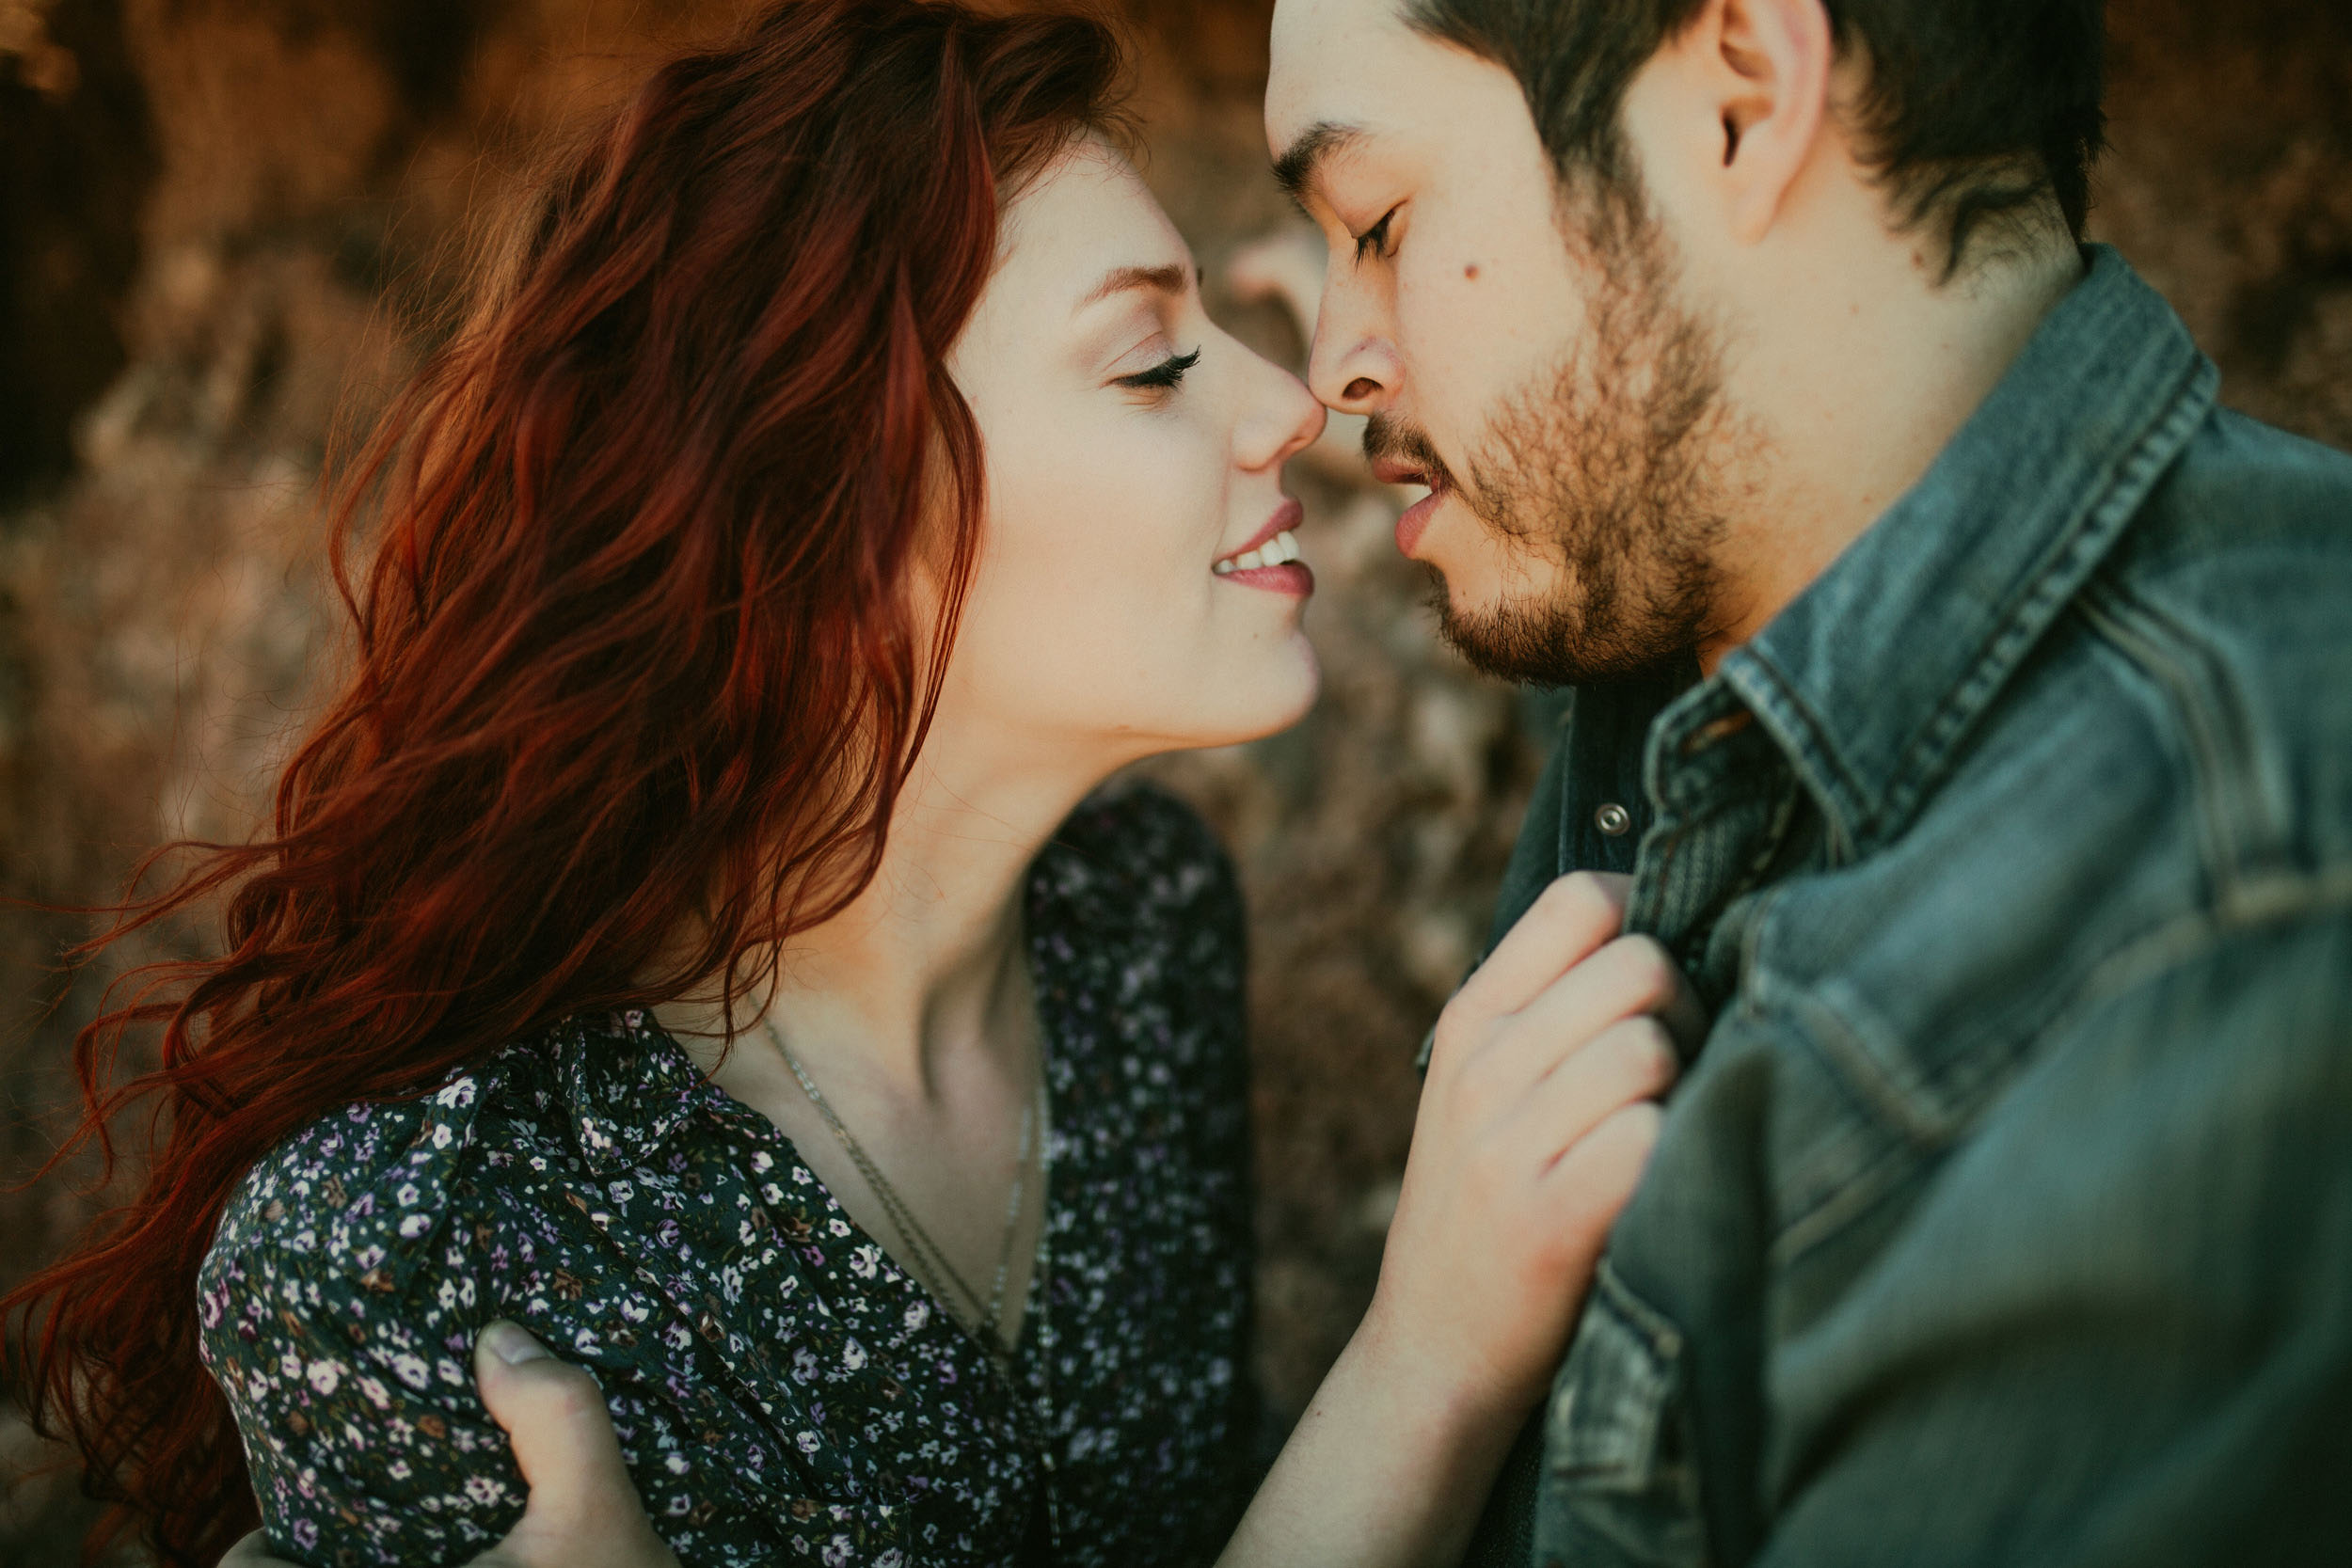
(926, 1258)
(1035, 1425)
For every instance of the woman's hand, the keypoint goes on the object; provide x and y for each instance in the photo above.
(1535, 1122)
(1536, 1119)
(584, 1511)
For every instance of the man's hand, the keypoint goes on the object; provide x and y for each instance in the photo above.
(1536, 1120)
(584, 1511)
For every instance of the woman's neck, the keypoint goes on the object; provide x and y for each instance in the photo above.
(927, 962)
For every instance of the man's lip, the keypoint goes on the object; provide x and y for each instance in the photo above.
(1390, 470)
(1414, 522)
(1287, 515)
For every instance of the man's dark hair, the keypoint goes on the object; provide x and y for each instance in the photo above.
(1978, 111)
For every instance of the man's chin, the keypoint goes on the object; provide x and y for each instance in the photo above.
(1503, 655)
(1553, 644)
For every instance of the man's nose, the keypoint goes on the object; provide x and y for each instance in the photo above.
(1353, 365)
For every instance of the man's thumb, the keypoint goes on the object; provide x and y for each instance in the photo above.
(584, 1511)
(554, 1416)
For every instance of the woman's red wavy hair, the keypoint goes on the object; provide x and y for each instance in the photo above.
(639, 653)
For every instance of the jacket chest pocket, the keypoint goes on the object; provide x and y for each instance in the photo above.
(1616, 1486)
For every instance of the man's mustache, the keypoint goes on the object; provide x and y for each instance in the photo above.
(1388, 437)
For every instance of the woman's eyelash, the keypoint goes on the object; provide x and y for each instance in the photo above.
(1374, 240)
(1165, 374)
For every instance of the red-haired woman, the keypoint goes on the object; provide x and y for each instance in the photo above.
(694, 933)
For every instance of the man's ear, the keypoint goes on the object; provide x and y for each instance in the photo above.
(1762, 69)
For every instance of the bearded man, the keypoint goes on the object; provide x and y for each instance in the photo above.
(1964, 693)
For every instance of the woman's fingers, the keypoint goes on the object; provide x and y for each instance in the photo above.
(1629, 977)
(1631, 1060)
(584, 1511)
(1627, 980)
(1569, 920)
(1596, 1178)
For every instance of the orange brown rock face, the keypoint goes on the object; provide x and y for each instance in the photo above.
(226, 225)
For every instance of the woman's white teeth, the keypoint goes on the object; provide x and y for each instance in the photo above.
(1276, 551)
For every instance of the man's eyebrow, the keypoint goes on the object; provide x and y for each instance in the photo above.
(1167, 279)
(1301, 164)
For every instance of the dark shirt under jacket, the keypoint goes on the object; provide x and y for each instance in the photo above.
(2005, 1215)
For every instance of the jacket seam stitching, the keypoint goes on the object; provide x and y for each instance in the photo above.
(2187, 939)
(2096, 530)
(2195, 681)
(2144, 960)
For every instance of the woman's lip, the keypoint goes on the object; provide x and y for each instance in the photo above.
(1291, 576)
(1414, 521)
(1287, 515)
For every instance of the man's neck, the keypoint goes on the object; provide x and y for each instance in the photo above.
(1854, 387)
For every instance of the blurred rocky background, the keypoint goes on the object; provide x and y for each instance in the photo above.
(220, 218)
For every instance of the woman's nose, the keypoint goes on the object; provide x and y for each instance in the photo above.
(1306, 417)
(1285, 423)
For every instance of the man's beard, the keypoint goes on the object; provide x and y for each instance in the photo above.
(1602, 467)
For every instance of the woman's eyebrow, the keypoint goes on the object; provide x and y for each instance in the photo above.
(1168, 278)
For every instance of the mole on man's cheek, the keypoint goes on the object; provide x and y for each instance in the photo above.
(1470, 271)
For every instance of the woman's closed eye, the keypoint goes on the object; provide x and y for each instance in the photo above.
(1374, 240)
(1162, 376)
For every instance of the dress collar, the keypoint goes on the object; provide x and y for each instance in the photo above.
(624, 1086)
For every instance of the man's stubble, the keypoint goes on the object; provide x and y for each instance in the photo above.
(1606, 470)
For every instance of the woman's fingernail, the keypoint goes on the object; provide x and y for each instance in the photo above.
(511, 1344)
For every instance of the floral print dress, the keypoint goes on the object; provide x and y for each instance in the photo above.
(782, 1389)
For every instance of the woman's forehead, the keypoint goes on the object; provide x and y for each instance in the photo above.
(1086, 226)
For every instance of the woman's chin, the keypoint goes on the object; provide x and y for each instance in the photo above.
(1280, 694)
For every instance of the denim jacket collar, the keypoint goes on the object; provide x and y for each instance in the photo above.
(1872, 678)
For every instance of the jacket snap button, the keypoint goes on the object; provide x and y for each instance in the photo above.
(1612, 819)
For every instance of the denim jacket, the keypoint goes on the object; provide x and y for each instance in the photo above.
(2005, 1215)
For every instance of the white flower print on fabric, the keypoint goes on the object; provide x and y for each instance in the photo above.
(782, 1389)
